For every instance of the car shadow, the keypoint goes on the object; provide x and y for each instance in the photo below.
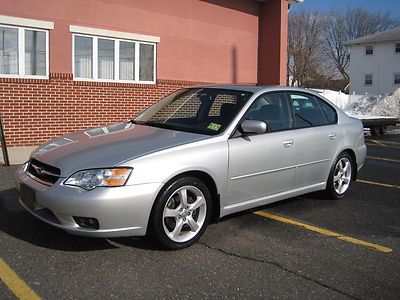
(144, 243)
(20, 224)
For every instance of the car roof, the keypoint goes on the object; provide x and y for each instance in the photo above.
(258, 89)
(254, 88)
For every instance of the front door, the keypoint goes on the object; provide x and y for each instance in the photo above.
(263, 164)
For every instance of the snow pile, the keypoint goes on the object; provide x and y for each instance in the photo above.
(369, 105)
(340, 99)
(365, 105)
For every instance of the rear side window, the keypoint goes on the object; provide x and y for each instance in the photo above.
(329, 112)
(308, 111)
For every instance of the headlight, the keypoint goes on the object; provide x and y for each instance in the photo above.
(90, 179)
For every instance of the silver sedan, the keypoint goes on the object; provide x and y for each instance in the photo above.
(197, 155)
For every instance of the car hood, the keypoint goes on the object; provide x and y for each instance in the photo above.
(109, 146)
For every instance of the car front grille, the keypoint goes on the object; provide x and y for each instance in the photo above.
(42, 172)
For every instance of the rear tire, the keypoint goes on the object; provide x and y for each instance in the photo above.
(340, 177)
(181, 213)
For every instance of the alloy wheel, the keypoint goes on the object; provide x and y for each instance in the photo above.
(184, 213)
(342, 175)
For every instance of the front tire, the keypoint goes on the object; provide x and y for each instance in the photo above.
(181, 213)
(340, 176)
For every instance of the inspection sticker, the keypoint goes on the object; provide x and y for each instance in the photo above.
(214, 126)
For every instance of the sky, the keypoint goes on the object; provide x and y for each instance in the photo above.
(393, 6)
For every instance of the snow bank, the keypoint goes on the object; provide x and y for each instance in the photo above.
(340, 99)
(375, 106)
(365, 105)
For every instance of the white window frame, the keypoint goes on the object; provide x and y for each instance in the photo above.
(117, 37)
(373, 50)
(394, 77)
(395, 44)
(372, 80)
(21, 53)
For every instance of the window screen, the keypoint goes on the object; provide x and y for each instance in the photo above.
(8, 51)
(106, 59)
(35, 52)
(146, 65)
(116, 60)
(126, 61)
(83, 57)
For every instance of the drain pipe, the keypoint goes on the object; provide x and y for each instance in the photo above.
(3, 143)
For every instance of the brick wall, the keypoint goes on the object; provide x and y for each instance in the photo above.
(36, 110)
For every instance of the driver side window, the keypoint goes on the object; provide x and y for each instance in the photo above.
(273, 109)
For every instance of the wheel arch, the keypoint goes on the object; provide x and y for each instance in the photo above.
(208, 180)
(352, 154)
(212, 186)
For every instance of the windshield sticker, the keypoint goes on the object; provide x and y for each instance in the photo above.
(214, 126)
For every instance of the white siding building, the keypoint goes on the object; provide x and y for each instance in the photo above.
(375, 63)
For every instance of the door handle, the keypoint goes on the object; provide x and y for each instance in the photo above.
(288, 144)
(332, 135)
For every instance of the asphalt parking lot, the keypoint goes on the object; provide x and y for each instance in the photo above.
(305, 247)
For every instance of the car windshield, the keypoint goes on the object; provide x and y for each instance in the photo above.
(199, 110)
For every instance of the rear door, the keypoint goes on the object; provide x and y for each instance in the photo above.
(318, 138)
(263, 164)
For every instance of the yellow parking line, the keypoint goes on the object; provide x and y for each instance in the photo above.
(325, 232)
(379, 184)
(377, 142)
(15, 283)
(384, 158)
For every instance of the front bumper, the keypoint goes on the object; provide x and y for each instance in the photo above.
(120, 211)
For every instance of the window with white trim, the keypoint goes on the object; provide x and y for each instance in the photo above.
(397, 78)
(369, 50)
(24, 52)
(100, 58)
(397, 47)
(368, 79)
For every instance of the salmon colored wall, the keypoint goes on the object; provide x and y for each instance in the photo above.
(272, 65)
(203, 41)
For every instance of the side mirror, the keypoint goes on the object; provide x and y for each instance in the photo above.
(253, 126)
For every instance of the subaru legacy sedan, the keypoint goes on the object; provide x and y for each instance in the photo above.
(195, 156)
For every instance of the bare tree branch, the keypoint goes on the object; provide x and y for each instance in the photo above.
(342, 26)
(305, 42)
